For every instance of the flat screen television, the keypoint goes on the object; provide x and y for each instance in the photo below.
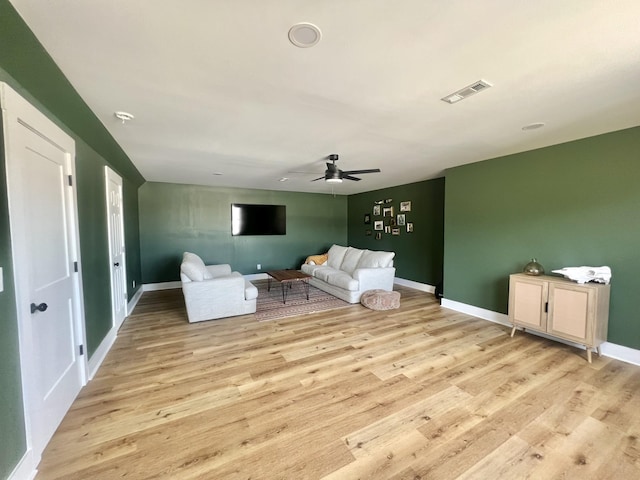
(249, 219)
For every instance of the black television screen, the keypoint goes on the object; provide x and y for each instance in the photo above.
(247, 219)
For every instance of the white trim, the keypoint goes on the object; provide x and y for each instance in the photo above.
(152, 287)
(423, 287)
(101, 352)
(620, 352)
(608, 349)
(26, 469)
(256, 276)
(134, 301)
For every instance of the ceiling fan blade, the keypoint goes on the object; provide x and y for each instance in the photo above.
(357, 172)
(319, 178)
(349, 177)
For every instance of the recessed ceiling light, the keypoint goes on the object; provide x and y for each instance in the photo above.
(533, 126)
(283, 179)
(217, 173)
(304, 35)
(124, 116)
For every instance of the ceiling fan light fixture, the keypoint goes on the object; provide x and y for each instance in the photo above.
(333, 180)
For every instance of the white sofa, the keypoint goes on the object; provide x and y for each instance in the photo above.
(214, 291)
(349, 272)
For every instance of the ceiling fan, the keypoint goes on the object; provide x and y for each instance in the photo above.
(334, 175)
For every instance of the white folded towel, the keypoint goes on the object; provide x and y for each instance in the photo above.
(586, 274)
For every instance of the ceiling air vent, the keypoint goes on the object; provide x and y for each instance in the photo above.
(467, 91)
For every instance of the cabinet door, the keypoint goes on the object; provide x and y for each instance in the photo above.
(571, 312)
(527, 300)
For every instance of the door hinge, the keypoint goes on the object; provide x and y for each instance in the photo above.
(70, 181)
(75, 267)
(81, 349)
(546, 307)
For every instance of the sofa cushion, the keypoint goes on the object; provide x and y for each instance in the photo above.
(323, 273)
(343, 280)
(350, 261)
(376, 259)
(194, 267)
(336, 255)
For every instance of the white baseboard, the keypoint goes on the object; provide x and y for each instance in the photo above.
(611, 350)
(26, 468)
(99, 355)
(256, 276)
(423, 287)
(151, 287)
(134, 300)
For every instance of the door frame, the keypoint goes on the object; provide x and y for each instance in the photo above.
(110, 174)
(15, 108)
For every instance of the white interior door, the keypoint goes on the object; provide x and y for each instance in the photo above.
(116, 247)
(39, 159)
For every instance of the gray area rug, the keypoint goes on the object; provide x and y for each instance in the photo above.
(269, 305)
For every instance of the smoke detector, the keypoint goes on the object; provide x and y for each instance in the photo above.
(467, 91)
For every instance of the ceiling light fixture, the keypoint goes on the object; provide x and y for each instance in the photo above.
(217, 174)
(124, 116)
(533, 126)
(304, 35)
(283, 179)
(467, 91)
(333, 180)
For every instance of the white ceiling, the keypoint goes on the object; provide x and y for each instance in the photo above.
(216, 86)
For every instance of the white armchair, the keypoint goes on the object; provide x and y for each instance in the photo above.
(214, 291)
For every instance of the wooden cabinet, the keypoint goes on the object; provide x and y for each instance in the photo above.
(560, 308)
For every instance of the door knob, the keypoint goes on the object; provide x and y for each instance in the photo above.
(38, 308)
(117, 264)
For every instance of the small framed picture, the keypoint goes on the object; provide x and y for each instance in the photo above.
(387, 212)
(388, 200)
(376, 210)
(367, 219)
(387, 229)
(378, 225)
(367, 233)
(395, 231)
(401, 219)
(405, 206)
(409, 227)
(378, 235)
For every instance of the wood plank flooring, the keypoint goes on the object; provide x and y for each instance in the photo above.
(416, 393)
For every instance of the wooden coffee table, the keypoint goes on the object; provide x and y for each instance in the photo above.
(286, 279)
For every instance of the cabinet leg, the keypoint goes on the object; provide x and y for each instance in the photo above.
(598, 350)
(513, 331)
(589, 354)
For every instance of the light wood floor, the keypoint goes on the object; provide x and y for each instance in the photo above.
(416, 393)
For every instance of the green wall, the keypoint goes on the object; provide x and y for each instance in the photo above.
(419, 254)
(178, 218)
(28, 69)
(572, 204)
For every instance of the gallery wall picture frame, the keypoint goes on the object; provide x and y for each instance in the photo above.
(376, 210)
(410, 227)
(367, 219)
(405, 206)
(367, 232)
(378, 225)
(401, 219)
(378, 235)
(395, 231)
(387, 229)
(387, 212)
